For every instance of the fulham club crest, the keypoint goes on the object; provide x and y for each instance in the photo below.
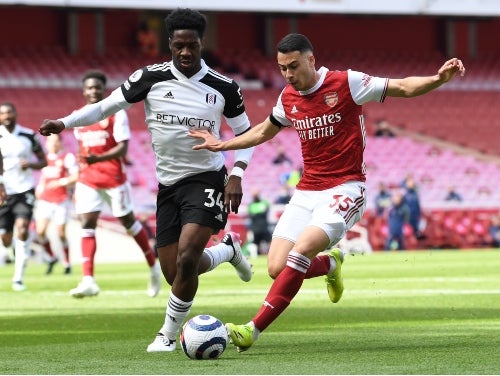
(331, 99)
(211, 98)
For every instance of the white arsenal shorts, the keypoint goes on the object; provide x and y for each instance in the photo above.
(56, 212)
(89, 200)
(334, 210)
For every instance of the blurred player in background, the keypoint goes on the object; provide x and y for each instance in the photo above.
(325, 108)
(102, 180)
(3, 194)
(195, 191)
(53, 204)
(22, 153)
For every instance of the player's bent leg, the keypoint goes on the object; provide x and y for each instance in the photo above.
(278, 253)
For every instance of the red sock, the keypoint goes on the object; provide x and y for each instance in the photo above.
(320, 265)
(48, 249)
(283, 290)
(89, 247)
(141, 238)
(66, 254)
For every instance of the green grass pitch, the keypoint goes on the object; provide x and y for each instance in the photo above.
(422, 312)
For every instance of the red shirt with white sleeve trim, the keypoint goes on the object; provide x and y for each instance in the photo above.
(97, 139)
(329, 121)
(59, 166)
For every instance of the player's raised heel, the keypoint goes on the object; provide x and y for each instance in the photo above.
(239, 261)
(334, 282)
(240, 335)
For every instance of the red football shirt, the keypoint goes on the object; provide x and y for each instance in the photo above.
(58, 166)
(329, 121)
(97, 139)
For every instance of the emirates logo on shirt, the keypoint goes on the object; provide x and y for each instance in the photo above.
(331, 99)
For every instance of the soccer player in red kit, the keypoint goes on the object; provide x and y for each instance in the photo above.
(54, 199)
(102, 180)
(325, 108)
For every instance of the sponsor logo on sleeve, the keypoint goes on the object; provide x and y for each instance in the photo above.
(136, 76)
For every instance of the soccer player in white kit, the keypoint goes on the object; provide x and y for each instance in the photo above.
(53, 193)
(3, 194)
(22, 153)
(195, 191)
(325, 108)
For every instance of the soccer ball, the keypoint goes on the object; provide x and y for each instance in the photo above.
(204, 337)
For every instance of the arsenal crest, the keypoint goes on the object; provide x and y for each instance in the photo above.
(331, 99)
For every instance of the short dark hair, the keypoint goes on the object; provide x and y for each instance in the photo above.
(97, 74)
(294, 42)
(10, 105)
(186, 19)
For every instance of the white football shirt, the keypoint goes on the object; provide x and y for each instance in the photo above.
(173, 105)
(21, 144)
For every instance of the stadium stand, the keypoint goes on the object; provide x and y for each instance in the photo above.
(464, 112)
(446, 137)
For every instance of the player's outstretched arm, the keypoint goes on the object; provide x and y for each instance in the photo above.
(49, 127)
(87, 115)
(414, 86)
(255, 136)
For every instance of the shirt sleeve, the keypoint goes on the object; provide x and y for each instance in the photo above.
(70, 163)
(96, 112)
(239, 124)
(365, 88)
(278, 114)
(121, 129)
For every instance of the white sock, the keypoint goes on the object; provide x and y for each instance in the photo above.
(22, 253)
(88, 279)
(333, 264)
(135, 228)
(218, 254)
(177, 311)
(256, 332)
(156, 267)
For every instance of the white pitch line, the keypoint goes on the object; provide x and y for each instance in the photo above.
(263, 292)
(434, 279)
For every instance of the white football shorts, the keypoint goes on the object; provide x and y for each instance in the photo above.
(89, 200)
(334, 210)
(57, 213)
